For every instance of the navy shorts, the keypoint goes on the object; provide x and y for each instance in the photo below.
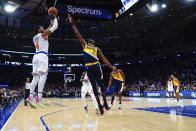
(117, 85)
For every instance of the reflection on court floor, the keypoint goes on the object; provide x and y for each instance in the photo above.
(138, 114)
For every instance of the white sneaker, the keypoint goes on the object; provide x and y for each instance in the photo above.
(120, 106)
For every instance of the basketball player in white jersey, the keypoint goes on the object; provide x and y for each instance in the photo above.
(87, 88)
(170, 88)
(40, 60)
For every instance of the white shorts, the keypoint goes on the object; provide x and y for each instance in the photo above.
(170, 89)
(40, 64)
(87, 89)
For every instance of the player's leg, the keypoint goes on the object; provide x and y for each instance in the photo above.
(177, 94)
(90, 91)
(25, 97)
(43, 71)
(173, 95)
(114, 92)
(35, 74)
(103, 94)
(91, 75)
(42, 81)
(93, 98)
(120, 104)
(27, 93)
(33, 84)
(119, 94)
(83, 95)
(99, 78)
(34, 81)
(169, 94)
(113, 97)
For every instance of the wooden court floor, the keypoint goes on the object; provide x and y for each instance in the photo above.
(137, 114)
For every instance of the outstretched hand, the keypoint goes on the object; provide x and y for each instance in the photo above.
(70, 18)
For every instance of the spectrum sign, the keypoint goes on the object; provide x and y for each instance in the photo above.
(85, 11)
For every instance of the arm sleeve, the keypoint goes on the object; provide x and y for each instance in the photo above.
(55, 25)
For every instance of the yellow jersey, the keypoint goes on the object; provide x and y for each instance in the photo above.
(175, 82)
(117, 76)
(90, 53)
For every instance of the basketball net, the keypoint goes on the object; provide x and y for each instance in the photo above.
(69, 79)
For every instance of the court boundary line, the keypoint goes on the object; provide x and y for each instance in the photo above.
(11, 116)
(43, 122)
(166, 112)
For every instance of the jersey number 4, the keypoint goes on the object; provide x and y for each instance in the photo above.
(37, 46)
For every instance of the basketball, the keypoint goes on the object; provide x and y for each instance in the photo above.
(52, 11)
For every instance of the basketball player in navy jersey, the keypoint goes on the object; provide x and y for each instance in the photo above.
(117, 79)
(93, 67)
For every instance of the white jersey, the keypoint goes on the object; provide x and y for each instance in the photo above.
(88, 81)
(41, 45)
(27, 85)
(170, 86)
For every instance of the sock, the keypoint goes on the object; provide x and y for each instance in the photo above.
(94, 100)
(104, 100)
(83, 99)
(112, 100)
(41, 84)
(98, 101)
(33, 84)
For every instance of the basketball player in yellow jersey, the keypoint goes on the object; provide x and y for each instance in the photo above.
(176, 86)
(118, 80)
(92, 65)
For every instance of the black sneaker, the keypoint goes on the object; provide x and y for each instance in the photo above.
(107, 107)
(86, 108)
(101, 110)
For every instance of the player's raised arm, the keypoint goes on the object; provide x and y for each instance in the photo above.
(78, 35)
(52, 12)
(53, 26)
(105, 60)
(110, 82)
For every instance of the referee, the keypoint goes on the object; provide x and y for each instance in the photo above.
(27, 90)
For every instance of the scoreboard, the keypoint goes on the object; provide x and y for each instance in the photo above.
(128, 3)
